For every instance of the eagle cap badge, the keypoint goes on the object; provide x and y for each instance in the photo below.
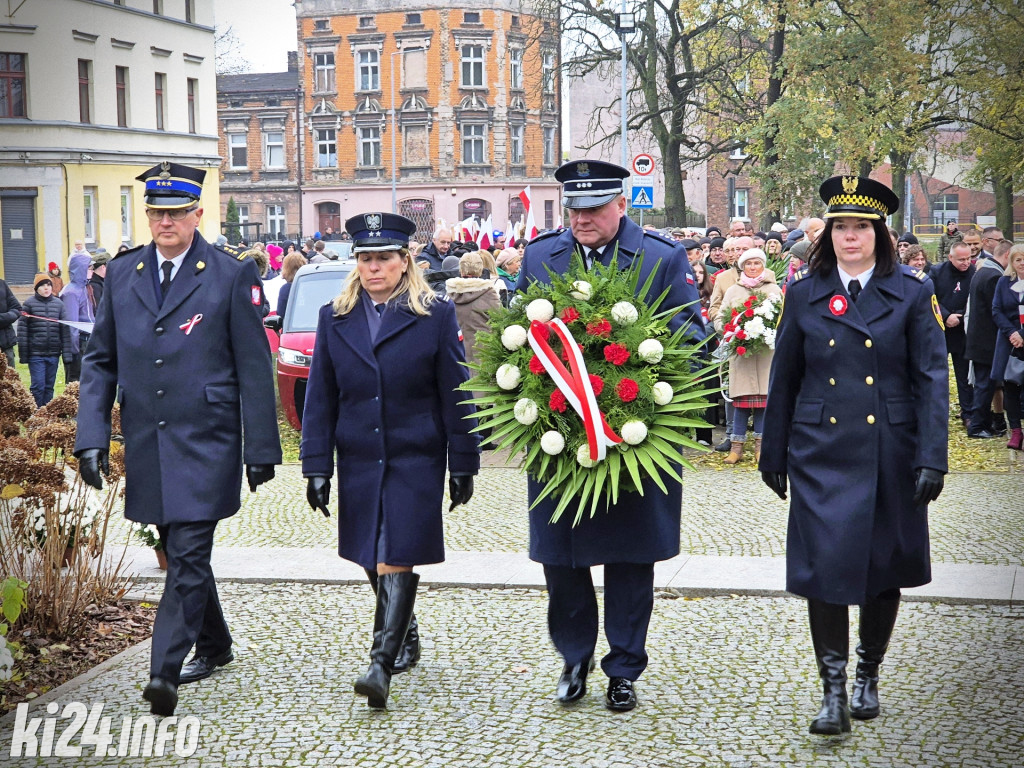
(583, 169)
(372, 221)
(165, 170)
(850, 184)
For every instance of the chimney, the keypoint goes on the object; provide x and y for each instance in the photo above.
(293, 61)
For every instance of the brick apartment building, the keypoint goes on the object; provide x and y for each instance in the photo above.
(258, 115)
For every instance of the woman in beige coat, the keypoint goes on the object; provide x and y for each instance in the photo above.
(748, 375)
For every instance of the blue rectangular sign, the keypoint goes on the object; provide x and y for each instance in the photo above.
(642, 197)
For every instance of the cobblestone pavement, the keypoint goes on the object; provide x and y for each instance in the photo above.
(978, 519)
(731, 683)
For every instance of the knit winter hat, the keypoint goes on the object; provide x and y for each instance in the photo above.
(41, 278)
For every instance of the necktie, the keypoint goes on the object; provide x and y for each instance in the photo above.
(853, 289)
(166, 268)
(379, 308)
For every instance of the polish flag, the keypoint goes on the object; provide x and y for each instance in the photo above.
(486, 233)
(510, 235)
(531, 225)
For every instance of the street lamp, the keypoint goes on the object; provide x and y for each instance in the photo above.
(625, 24)
(394, 131)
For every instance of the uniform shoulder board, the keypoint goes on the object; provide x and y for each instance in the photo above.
(800, 274)
(914, 272)
(659, 236)
(232, 251)
(129, 251)
(545, 235)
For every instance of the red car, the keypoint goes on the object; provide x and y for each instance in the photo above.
(314, 286)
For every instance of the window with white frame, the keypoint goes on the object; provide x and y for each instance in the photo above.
(126, 214)
(549, 145)
(515, 68)
(369, 146)
(473, 143)
(472, 66)
(738, 154)
(326, 148)
(547, 72)
(740, 203)
(275, 221)
(515, 144)
(160, 97)
(368, 70)
(243, 214)
(323, 71)
(89, 195)
(273, 149)
(238, 150)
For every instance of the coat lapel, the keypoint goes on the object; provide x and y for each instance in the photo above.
(395, 320)
(825, 288)
(142, 280)
(355, 334)
(874, 302)
(185, 282)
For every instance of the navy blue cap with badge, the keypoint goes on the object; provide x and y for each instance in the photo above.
(379, 231)
(858, 197)
(171, 185)
(590, 183)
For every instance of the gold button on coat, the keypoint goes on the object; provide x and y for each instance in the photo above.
(867, 343)
(869, 380)
(832, 382)
(871, 419)
(832, 419)
(831, 342)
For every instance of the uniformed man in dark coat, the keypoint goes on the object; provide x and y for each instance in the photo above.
(952, 280)
(636, 532)
(179, 344)
(857, 421)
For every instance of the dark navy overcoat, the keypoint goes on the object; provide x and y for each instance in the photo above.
(188, 394)
(638, 529)
(858, 400)
(392, 410)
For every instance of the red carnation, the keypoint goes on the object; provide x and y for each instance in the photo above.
(558, 401)
(735, 312)
(741, 350)
(627, 390)
(749, 313)
(570, 315)
(616, 354)
(597, 383)
(741, 334)
(541, 330)
(536, 366)
(602, 328)
(749, 301)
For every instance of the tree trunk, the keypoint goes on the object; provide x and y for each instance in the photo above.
(675, 196)
(1003, 188)
(900, 163)
(773, 212)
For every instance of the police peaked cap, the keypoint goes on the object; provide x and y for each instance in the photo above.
(379, 231)
(590, 183)
(170, 185)
(857, 196)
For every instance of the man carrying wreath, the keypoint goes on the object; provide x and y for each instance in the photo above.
(630, 536)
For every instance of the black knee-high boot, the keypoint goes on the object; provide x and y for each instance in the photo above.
(410, 653)
(396, 596)
(830, 632)
(877, 619)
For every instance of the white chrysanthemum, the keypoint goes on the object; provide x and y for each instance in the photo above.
(651, 351)
(508, 376)
(526, 411)
(552, 443)
(583, 457)
(624, 313)
(581, 290)
(769, 338)
(755, 327)
(634, 432)
(540, 310)
(662, 392)
(513, 337)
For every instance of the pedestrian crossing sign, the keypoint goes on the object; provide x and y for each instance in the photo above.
(642, 197)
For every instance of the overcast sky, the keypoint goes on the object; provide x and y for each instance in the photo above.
(265, 28)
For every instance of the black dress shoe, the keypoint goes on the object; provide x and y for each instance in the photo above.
(162, 696)
(725, 446)
(201, 667)
(981, 434)
(620, 697)
(572, 685)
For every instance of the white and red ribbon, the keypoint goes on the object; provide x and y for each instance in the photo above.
(191, 323)
(575, 384)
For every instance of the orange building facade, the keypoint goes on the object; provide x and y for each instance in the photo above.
(439, 112)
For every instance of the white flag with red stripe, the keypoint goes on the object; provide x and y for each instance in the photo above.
(531, 230)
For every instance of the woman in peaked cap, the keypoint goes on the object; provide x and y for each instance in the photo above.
(384, 396)
(856, 420)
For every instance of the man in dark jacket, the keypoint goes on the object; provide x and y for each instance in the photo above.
(43, 339)
(99, 274)
(638, 530)
(981, 338)
(179, 343)
(438, 248)
(10, 311)
(952, 279)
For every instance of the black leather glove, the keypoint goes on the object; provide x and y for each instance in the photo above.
(90, 462)
(258, 474)
(460, 489)
(928, 485)
(318, 494)
(776, 481)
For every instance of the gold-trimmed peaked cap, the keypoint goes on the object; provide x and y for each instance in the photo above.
(170, 185)
(857, 196)
(590, 183)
